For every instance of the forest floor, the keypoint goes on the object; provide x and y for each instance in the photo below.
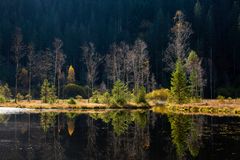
(63, 104)
(223, 107)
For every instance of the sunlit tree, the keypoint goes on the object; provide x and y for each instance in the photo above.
(195, 71)
(71, 75)
(120, 93)
(178, 47)
(179, 87)
(48, 93)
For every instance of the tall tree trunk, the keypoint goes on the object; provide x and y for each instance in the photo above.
(30, 83)
(16, 81)
(211, 74)
(59, 86)
(55, 70)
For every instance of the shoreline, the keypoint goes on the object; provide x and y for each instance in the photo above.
(62, 104)
(205, 107)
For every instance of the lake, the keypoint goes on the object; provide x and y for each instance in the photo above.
(116, 135)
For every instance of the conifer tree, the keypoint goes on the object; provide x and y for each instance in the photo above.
(120, 93)
(179, 88)
(48, 92)
(195, 75)
(45, 90)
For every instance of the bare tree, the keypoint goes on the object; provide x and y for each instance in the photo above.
(139, 64)
(130, 64)
(30, 55)
(43, 65)
(59, 62)
(117, 63)
(178, 48)
(152, 84)
(92, 60)
(17, 49)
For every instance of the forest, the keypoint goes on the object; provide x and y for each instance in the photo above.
(102, 41)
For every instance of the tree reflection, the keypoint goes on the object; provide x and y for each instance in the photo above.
(71, 122)
(91, 148)
(130, 137)
(121, 135)
(186, 132)
(47, 120)
(120, 120)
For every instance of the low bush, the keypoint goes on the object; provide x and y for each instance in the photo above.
(105, 98)
(28, 97)
(5, 92)
(73, 90)
(72, 101)
(221, 98)
(195, 100)
(95, 97)
(2, 99)
(99, 97)
(19, 97)
(78, 97)
(159, 94)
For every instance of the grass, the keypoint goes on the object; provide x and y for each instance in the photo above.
(65, 104)
(226, 107)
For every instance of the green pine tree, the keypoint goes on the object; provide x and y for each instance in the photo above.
(120, 93)
(179, 88)
(48, 92)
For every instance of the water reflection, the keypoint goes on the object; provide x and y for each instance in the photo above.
(118, 134)
(186, 132)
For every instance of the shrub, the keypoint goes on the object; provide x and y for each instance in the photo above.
(160, 94)
(105, 98)
(28, 97)
(95, 97)
(139, 95)
(99, 97)
(2, 99)
(5, 92)
(73, 90)
(19, 97)
(71, 101)
(78, 97)
(220, 98)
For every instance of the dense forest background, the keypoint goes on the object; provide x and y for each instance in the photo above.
(216, 38)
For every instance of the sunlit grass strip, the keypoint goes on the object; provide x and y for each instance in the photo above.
(64, 104)
(199, 110)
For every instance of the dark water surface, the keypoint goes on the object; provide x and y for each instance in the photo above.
(116, 135)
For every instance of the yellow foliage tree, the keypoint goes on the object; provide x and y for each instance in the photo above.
(71, 75)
